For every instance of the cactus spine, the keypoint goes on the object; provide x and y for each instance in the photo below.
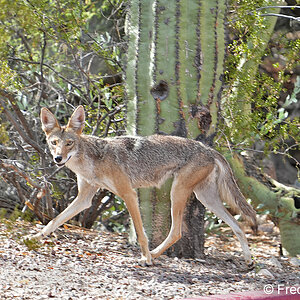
(174, 65)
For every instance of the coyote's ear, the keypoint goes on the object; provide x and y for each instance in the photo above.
(49, 121)
(77, 119)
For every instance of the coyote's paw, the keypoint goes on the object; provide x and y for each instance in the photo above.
(37, 237)
(250, 263)
(145, 262)
(154, 253)
(32, 242)
(250, 266)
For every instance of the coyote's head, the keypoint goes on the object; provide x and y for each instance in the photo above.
(63, 141)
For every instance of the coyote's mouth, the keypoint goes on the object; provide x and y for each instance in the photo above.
(62, 164)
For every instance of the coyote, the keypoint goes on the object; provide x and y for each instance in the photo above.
(122, 164)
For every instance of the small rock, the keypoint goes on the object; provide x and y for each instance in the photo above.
(275, 262)
(62, 261)
(294, 261)
(266, 228)
(266, 273)
(194, 280)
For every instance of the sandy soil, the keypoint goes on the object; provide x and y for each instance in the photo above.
(77, 264)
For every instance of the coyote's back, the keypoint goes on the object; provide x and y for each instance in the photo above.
(149, 161)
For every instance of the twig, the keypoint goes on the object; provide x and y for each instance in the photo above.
(49, 67)
(280, 15)
(21, 174)
(297, 163)
(41, 67)
(25, 137)
(278, 6)
(12, 100)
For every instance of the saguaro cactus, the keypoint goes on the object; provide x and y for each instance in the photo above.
(173, 79)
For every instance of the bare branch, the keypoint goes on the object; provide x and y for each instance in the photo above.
(278, 6)
(281, 16)
(51, 68)
(22, 133)
(41, 67)
(15, 107)
(21, 174)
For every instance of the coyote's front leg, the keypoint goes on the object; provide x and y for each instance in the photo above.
(83, 200)
(130, 198)
(131, 201)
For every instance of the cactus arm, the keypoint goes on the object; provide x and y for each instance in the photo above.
(279, 201)
(144, 76)
(207, 38)
(190, 61)
(131, 29)
(165, 61)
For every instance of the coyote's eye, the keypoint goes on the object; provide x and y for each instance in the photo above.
(54, 142)
(69, 143)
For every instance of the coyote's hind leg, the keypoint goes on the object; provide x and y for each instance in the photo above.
(208, 195)
(179, 196)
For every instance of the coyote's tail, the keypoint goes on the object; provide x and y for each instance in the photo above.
(231, 194)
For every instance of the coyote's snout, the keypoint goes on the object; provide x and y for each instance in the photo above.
(123, 164)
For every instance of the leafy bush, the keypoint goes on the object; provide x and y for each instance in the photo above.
(57, 54)
(260, 70)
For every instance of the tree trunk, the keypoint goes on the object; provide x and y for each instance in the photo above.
(173, 80)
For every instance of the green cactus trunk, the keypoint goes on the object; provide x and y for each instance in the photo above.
(173, 79)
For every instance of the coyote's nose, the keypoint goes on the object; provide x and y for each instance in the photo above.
(58, 158)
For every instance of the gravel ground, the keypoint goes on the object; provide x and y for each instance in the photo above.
(77, 264)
